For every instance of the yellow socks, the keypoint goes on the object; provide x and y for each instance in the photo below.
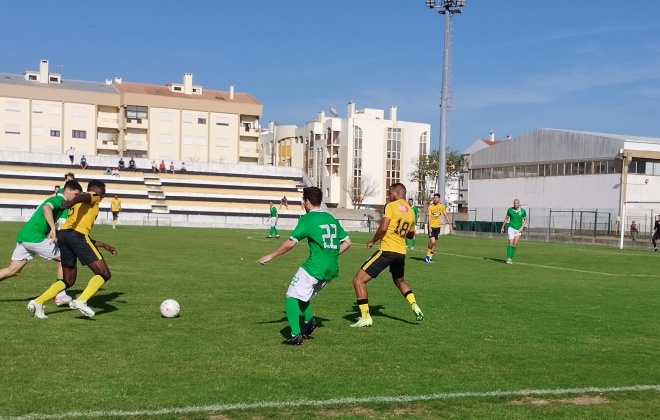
(364, 310)
(93, 286)
(410, 297)
(52, 291)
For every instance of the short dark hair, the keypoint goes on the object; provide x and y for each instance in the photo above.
(400, 188)
(72, 184)
(436, 195)
(95, 183)
(69, 174)
(313, 194)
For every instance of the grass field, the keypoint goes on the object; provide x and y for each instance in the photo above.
(576, 325)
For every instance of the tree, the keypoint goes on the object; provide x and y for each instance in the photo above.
(360, 189)
(426, 171)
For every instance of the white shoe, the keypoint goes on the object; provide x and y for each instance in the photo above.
(114, 227)
(82, 307)
(363, 322)
(508, 261)
(418, 312)
(62, 299)
(37, 310)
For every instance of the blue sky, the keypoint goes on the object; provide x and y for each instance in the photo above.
(517, 65)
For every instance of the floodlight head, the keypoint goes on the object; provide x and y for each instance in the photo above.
(430, 4)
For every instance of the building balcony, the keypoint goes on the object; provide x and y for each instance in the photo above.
(103, 144)
(249, 131)
(105, 122)
(332, 161)
(137, 145)
(246, 151)
(142, 123)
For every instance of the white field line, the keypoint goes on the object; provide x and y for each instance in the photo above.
(329, 402)
(599, 273)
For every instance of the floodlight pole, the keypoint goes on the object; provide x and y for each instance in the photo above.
(447, 8)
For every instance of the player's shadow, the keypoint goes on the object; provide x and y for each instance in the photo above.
(103, 302)
(497, 260)
(286, 331)
(27, 299)
(418, 258)
(374, 311)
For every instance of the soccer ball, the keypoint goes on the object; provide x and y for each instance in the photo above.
(170, 308)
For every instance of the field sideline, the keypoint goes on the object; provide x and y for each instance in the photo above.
(520, 341)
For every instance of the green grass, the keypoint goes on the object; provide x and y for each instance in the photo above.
(563, 316)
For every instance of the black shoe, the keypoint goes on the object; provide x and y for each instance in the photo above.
(309, 327)
(295, 340)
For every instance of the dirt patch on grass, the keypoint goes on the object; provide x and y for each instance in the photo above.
(579, 400)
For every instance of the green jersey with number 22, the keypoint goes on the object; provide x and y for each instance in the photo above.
(323, 233)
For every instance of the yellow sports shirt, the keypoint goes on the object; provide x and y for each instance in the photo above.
(435, 210)
(402, 220)
(115, 204)
(83, 215)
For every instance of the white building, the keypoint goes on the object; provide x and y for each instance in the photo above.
(570, 171)
(342, 156)
(42, 112)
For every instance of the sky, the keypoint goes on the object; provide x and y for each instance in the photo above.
(516, 65)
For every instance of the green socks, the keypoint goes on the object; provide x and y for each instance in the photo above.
(510, 251)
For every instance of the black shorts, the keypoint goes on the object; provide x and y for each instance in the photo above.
(381, 260)
(435, 232)
(75, 246)
(115, 215)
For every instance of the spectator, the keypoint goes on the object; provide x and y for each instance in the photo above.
(633, 231)
(162, 166)
(284, 202)
(57, 187)
(172, 167)
(154, 167)
(121, 166)
(70, 152)
(115, 172)
(83, 162)
(131, 165)
(183, 167)
(108, 171)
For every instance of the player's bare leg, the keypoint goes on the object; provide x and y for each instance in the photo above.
(360, 284)
(13, 269)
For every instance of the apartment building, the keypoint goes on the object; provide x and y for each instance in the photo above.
(42, 112)
(344, 156)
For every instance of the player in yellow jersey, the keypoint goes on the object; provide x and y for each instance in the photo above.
(436, 210)
(398, 223)
(75, 244)
(115, 207)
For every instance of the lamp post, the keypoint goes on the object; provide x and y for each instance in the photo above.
(447, 8)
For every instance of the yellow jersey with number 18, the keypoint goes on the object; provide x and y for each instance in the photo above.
(402, 220)
(83, 215)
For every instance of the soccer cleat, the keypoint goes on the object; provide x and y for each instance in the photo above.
(37, 310)
(508, 261)
(309, 327)
(655, 249)
(428, 260)
(277, 236)
(270, 236)
(82, 307)
(363, 322)
(62, 299)
(418, 312)
(114, 227)
(294, 340)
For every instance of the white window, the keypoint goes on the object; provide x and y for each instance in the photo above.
(37, 108)
(221, 142)
(222, 121)
(56, 109)
(187, 140)
(166, 138)
(201, 141)
(165, 116)
(79, 111)
(12, 129)
(187, 118)
(37, 131)
(13, 106)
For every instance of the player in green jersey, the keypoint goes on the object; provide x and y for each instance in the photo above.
(326, 240)
(38, 235)
(67, 177)
(410, 243)
(273, 221)
(516, 217)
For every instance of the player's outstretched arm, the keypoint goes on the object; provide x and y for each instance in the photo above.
(105, 246)
(48, 215)
(282, 249)
(344, 245)
(82, 198)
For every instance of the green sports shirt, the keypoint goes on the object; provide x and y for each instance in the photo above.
(324, 234)
(516, 217)
(64, 213)
(36, 229)
(273, 211)
(416, 211)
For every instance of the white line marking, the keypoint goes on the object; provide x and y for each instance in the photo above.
(333, 401)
